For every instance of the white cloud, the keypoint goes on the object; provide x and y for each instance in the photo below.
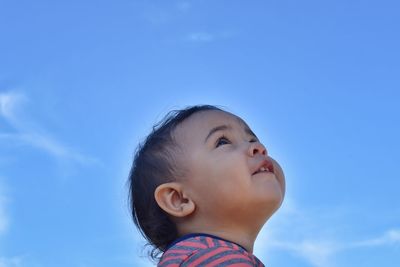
(323, 253)
(205, 37)
(390, 237)
(26, 132)
(4, 221)
(200, 37)
(184, 6)
(55, 148)
(156, 16)
(318, 253)
(304, 235)
(166, 12)
(9, 103)
(10, 262)
(4, 224)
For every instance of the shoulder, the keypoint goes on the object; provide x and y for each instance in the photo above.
(207, 251)
(180, 251)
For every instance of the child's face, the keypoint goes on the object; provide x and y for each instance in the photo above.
(220, 170)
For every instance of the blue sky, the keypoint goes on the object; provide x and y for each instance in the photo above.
(82, 82)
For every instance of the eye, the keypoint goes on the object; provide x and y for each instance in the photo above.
(253, 140)
(222, 141)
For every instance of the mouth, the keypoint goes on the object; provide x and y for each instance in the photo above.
(265, 166)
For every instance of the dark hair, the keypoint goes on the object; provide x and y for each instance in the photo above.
(154, 164)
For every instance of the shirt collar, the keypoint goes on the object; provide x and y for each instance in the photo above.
(200, 234)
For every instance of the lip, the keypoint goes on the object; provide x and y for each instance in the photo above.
(266, 163)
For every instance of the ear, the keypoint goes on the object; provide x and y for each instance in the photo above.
(173, 200)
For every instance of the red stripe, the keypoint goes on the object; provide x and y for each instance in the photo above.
(209, 241)
(235, 247)
(183, 251)
(167, 258)
(206, 256)
(171, 264)
(222, 243)
(191, 244)
(230, 257)
(206, 248)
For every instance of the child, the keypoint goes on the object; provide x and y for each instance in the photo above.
(201, 187)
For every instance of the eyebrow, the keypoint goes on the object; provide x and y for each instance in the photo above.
(228, 127)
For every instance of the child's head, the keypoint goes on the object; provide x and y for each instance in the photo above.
(199, 171)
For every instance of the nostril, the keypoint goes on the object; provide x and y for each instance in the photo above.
(257, 148)
(261, 149)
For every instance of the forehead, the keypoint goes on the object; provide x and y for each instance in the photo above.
(199, 124)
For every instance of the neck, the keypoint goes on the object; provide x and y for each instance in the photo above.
(239, 235)
(241, 239)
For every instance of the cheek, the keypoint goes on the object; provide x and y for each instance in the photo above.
(229, 181)
(280, 176)
(232, 168)
(219, 176)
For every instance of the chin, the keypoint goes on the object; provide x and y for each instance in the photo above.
(272, 203)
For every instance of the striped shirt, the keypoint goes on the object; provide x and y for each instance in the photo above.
(205, 250)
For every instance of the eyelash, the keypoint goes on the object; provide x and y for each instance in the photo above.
(223, 137)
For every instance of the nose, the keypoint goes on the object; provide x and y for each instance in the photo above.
(257, 148)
